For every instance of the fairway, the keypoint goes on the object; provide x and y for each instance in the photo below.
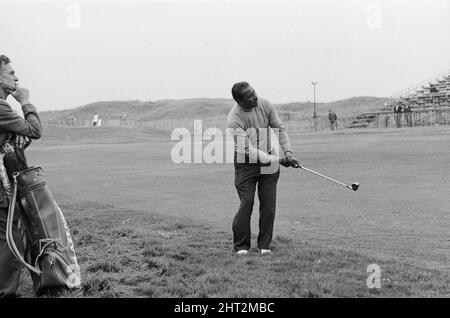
(401, 210)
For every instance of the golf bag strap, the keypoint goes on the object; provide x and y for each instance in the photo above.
(9, 232)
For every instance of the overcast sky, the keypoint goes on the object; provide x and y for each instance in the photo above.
(71, 53)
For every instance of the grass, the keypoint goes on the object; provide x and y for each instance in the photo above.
(126, 253)
(400, 210)
(145, 227)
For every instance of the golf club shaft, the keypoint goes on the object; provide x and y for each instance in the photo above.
(323, 176)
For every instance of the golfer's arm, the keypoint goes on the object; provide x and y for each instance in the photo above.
(29, 126)
(275, 122)
(243, 146)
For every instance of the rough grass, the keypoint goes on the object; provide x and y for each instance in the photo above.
(127, 253)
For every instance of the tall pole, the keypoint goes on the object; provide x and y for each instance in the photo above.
(315, 112)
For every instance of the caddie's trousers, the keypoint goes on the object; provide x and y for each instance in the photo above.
(10, 267)
(247, 177)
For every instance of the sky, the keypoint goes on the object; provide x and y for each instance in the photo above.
(72, 53)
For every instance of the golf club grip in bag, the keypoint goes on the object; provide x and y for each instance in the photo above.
(50, 254)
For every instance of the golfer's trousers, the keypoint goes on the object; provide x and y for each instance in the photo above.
(247, 177)
(10, 267)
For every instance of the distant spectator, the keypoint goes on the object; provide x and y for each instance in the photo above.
(95, 119)
(123, 118)
(398, 114)
(70, 121)
(386, 120)
(408, 115)
(333, 119)
(387, 116)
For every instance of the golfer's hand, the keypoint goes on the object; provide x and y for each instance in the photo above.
(284, 162)
(22, 141)
(22, 95)
(292, 161)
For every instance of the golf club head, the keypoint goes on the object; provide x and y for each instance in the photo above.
(355, 186)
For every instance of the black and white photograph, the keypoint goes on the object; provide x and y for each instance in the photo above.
(224, 155)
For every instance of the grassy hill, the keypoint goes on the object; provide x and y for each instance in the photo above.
(205, 108)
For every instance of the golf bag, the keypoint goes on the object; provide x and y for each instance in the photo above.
(49, 250)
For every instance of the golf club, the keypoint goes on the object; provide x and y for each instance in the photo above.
(353, 186)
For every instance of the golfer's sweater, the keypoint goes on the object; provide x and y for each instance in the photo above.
(240, 122)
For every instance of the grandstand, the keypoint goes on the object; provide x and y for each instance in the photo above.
(429, 101)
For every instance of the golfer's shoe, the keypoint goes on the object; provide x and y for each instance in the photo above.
(265, 252)
(242, 252)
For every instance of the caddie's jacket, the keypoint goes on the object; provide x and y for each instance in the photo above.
(12, 124)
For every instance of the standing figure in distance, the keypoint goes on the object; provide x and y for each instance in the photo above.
(398, 114)
(333, 119)
(408, 115)
(95, 119)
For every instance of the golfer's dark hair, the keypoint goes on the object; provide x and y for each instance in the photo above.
(237, 89)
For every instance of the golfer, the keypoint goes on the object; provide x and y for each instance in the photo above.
(12, 127)
(252, 114)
